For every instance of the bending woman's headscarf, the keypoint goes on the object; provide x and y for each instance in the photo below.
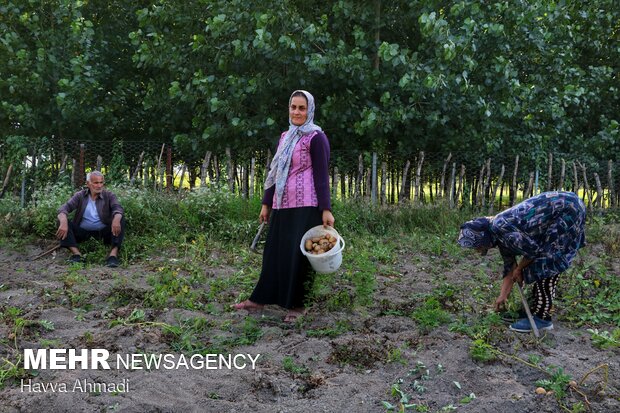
(476, 233)
(278, 172)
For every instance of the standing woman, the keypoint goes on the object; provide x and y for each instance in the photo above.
(546, 231)
(297, 189)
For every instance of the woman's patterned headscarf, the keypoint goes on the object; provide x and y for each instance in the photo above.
(476, 233)
(278, 172)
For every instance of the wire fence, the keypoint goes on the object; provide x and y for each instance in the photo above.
(387, 178)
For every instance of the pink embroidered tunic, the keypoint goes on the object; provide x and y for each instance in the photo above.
(307, 184)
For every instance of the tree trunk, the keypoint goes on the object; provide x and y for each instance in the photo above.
(169, 177)
(374, 182)
(418, 181)
(513, 188)
(586, 186)
(459, 190)
(401, 197)
(6, 180)
(598, 202)
(487, 183)
(480, 186)
(252, 177)
(230, 171)
(182, 178)
(360, 176)
(530, 186)
(451, 186)
(562, 175)
(79, 178)
(610, 183)
(443, 175)
(335, 183)
(135, 171)
(205, 168)
(494, 190)
(368, 185)
(550, 173)
(383, 182)
(575, 179)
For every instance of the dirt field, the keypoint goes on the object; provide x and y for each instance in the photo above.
(332, 361)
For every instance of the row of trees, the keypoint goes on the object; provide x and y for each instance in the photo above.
(499, 77)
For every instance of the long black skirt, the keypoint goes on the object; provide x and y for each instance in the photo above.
(284, 276)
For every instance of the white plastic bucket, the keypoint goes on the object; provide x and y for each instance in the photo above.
(329, 261)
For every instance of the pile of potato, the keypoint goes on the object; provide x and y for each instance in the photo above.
(321, 244)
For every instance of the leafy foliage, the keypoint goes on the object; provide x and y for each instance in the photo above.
(403, 76)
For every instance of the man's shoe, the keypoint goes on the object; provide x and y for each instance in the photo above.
(111, 261)
(523, 325)
(75, 259)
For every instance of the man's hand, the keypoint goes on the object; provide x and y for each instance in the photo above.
(328, 218)
(63, 228)
(116, 225)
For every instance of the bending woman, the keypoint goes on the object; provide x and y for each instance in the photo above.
(546, 230)
(297, 190)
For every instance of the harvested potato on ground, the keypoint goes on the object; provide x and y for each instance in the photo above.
(540, 390)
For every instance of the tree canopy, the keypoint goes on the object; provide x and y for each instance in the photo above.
(498, 77)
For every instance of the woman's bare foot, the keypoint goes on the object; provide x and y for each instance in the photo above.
(293, 314)
(248, 306)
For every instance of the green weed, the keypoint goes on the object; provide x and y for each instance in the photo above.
(170, 285)
(605, 339)
(480, 350)
(10, 370)
(340, 328)
(289, 365)
(558, 383)
(430, 314)
(592, 296)
(396, 355)
(191, 336)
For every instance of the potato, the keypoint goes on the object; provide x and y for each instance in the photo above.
(320, 244)
(540, 390)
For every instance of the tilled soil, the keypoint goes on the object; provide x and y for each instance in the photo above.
(353, 370)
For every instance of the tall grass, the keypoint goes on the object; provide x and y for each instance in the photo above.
(159, 219)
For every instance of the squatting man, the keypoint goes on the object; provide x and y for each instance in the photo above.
(98, 214)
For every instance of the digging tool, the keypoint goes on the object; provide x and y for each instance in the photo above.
(257, 237)
(44, 253)
(527, 311)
